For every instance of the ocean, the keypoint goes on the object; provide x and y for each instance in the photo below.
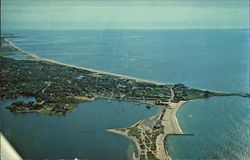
(216, 60)
(220, 126)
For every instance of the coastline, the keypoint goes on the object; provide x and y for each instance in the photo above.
(115, 131)
(35, 57)
(99, 72)
(170, 127)
(175, 117)
(125, 134)
(167, 118)
(11, 45)
(160, 152)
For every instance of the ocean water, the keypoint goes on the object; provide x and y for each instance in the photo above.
(215, 60)
(209, 59)
(221, 126)
(79, 134)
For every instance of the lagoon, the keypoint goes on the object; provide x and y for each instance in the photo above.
(213, 59)
(79, 134)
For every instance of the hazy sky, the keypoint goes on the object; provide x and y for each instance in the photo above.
(47, 14)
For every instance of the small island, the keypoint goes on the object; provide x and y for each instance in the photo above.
(58, 88)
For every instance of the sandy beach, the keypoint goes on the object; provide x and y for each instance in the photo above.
(169, 118)
(170, 125)
(168, 121)
(35, 57)
(100, 72)
(31, 55)
(129, 137)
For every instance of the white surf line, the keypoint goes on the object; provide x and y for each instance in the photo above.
(103, 72)
(178, 126)
(175, 111)
(32, 55)
(35, 57)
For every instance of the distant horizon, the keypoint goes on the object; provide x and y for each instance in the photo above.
(130, 29)
(120, 15)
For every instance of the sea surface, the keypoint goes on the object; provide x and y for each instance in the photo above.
(79, 134)
(215, 60)
(221, 126)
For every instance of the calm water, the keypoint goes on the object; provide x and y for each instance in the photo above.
(219, 58)
(40, 136)
(221, 126)
(209, 59)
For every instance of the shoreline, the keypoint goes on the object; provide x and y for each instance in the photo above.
(35, 57)
(100, 72)
(170, 127)
(11, 45)
(125, 134)
(115, 131)
(166, 119)
(175, 117)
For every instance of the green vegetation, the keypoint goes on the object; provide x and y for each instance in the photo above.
(56, 85)
(152, 146)
(151, 156)
(134, 132)
(142, 157)
(58, 88)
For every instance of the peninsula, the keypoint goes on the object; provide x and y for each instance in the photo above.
(58, 88)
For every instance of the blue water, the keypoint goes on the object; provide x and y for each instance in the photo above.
(221, 126)
(208, 59)
(39, 136)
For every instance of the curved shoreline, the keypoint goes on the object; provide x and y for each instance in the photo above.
(170, 127)
(11, 45)
(176, 129)
(175, 117)
(167, 118)
(125, 134)
(35, 57)
(173, 128)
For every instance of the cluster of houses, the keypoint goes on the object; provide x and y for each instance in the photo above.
(109, 86)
